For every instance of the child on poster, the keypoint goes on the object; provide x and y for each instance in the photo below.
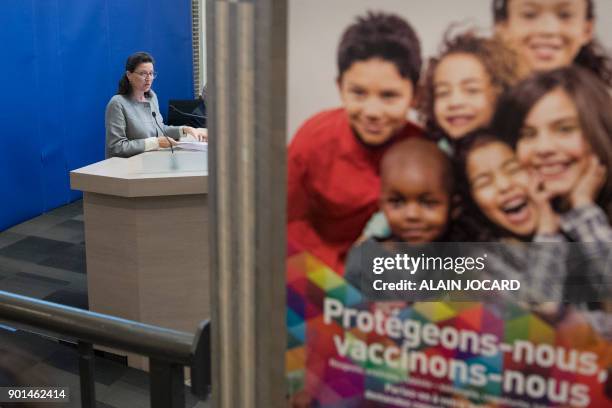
(333, 159)
(549, 34)
(462, 84)
(416, 190)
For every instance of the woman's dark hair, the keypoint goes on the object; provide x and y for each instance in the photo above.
(593, 104)
(470, 224)
(499, 62)
(385, 36)
(591, 56)
(131, 64)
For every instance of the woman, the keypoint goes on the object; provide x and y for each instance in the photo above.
(133, 122)
(560, 122)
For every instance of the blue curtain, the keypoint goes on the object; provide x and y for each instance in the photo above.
(61, 61)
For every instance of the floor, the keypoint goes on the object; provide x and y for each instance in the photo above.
(45, 258)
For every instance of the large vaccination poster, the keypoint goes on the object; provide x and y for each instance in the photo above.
(417, 126)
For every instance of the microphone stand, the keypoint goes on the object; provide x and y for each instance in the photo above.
(160, 128)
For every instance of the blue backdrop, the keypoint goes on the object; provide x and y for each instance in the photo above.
(61, 62)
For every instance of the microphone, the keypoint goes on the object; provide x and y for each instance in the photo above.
(174, 108)
(160, 128)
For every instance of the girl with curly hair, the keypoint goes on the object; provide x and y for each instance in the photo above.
(462, 84)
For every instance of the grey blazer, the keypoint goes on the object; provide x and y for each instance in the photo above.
(129, 122)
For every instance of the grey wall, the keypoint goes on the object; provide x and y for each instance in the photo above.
(315, 27)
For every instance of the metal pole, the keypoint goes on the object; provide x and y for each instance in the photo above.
(86, 374)
(201, 364)
(167, 384)
(97, 328)
(246, 57)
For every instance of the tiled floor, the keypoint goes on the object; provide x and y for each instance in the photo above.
(45, 258)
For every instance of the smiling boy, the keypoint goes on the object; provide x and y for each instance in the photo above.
(415, 195)
(333, 160)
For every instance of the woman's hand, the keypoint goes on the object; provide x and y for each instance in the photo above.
(165, 141)
(199, 134)
(589, 185)
(549, 221)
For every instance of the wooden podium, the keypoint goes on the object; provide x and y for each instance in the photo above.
(146, 238)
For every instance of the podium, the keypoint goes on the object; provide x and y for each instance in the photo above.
(146, 238)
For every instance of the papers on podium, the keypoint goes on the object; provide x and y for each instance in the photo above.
(193, 145)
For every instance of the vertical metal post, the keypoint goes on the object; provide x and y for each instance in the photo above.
(167, 384)
(246, 58)
(201, 364)
(86, 375)
(270, 115)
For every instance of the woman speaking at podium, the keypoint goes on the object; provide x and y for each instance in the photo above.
(133, 121)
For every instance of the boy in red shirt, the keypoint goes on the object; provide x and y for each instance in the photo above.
(333, 159)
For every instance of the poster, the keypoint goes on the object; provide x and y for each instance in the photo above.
(397, 139)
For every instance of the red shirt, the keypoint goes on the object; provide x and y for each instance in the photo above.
(333, 185)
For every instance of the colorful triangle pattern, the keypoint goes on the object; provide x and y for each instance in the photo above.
(325, 358)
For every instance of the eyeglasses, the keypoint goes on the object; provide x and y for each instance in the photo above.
(143, 75)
